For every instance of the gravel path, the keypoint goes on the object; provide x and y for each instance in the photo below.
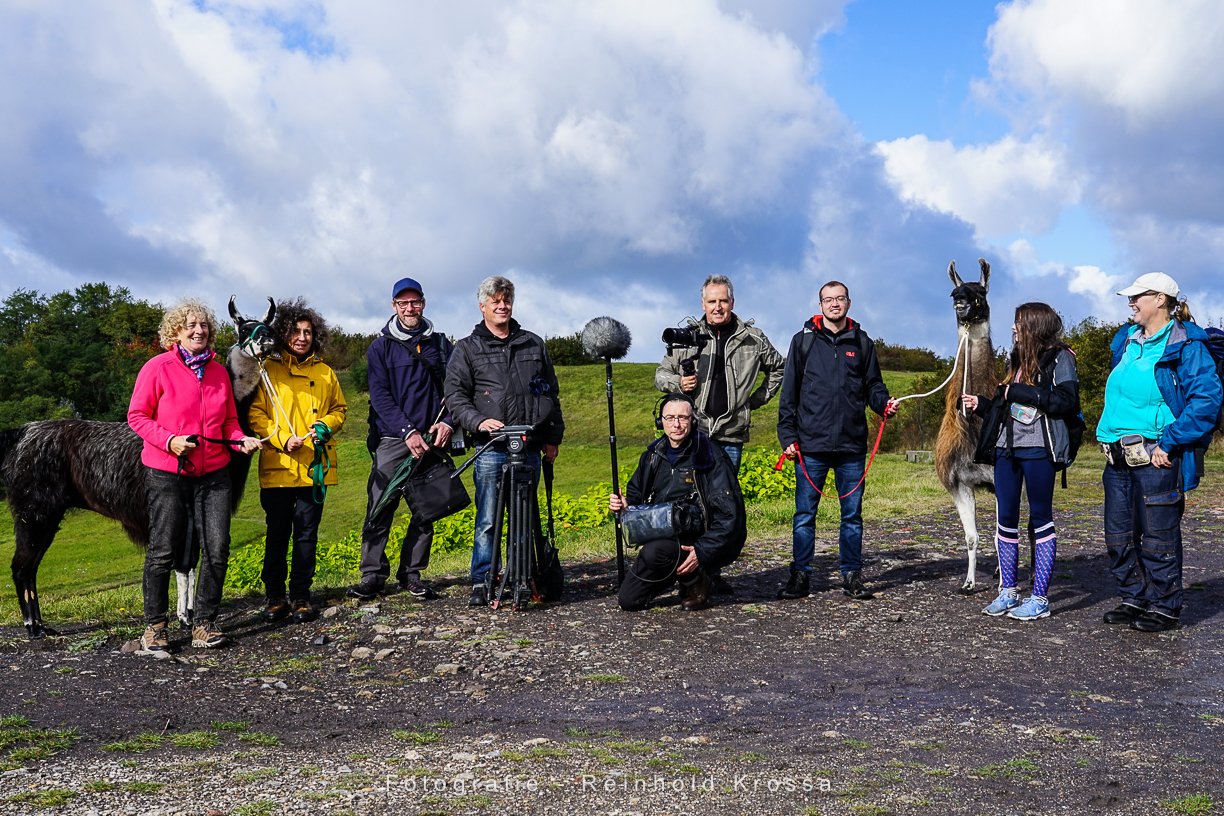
(910, 703)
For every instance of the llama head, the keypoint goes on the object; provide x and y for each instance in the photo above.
(255, 336)
(969, 299)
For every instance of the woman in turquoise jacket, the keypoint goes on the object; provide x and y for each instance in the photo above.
(1162, 402)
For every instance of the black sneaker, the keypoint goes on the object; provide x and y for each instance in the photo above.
(1154, 622)
(852, 585)
(417, 588)
(368, 589)
(796, 587)
(1125, 613)
(479, 596)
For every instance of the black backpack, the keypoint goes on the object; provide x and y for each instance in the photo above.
(1215, 345)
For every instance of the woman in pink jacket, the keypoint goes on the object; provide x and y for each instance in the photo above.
(181, 395)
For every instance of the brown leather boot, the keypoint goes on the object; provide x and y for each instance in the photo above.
(697, 594)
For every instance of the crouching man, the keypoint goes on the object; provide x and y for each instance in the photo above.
(683, 466)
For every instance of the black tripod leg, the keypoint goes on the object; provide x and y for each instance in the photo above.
(495, 567)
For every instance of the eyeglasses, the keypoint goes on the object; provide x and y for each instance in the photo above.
(1134, 298)
(838, 299)
(409, 304)
(679, 419)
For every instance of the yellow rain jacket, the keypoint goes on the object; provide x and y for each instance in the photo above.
(308, 392)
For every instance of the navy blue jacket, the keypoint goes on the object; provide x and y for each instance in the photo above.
(404, 397)
(825, 413)
(1187, 379)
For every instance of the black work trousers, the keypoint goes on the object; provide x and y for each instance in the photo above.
(652, 573)
(292, 513)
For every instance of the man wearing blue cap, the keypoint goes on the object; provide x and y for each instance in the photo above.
(407, 370)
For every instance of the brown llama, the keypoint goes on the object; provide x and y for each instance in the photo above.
(958, 434)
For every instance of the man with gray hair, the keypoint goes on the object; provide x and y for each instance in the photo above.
(722, 380)
(500, 375)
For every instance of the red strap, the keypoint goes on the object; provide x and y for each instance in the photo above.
(879, 436)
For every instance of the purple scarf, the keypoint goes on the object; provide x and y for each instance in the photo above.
(196, 362)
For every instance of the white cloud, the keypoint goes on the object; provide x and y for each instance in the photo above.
(1000, 188)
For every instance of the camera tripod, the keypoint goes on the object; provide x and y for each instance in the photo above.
(516, 496)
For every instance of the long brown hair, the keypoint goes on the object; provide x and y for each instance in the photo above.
(1038, 327)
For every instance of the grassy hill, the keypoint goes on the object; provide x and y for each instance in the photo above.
(92, 553)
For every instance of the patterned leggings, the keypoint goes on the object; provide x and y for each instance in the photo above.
(1037, 477)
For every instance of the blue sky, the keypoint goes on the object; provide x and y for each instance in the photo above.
(607, 156)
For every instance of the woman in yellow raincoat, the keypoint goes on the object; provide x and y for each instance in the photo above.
(298, 463)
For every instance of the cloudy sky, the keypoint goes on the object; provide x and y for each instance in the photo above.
(608, 155)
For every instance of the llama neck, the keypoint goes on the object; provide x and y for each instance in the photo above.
(977, 352)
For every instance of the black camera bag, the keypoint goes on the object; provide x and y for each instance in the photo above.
(432, 492)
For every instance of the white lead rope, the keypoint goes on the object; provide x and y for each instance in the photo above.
(278, 409)
(965, 385)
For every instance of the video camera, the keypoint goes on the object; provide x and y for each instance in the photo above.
(686, 338)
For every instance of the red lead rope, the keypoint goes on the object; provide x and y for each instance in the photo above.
(803, 467)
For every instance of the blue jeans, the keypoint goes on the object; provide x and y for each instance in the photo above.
(487, 477)
(1143, 510)
(847, 471)
(734, 452)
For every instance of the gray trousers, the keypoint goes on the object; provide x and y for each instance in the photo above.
(414, 549)
(177, 502)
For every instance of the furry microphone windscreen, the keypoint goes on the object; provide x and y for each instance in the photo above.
(606, 338)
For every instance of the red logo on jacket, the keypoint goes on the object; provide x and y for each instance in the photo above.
(849, 353)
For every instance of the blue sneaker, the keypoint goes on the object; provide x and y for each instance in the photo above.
(1008, 599)
(1033, 608)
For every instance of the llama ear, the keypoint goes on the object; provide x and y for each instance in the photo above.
(234, 316)
(956, 279)
(271, 313)
(985, 281)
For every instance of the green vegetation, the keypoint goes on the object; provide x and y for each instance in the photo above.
(1194, 805)
(136, 745)
(417, 737)
(54, 797)
(258, 738)
(196, 739)
(235, 727)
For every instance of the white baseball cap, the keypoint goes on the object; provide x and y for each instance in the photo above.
(1152, 282)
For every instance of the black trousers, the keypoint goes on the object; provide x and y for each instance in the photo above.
(652, 573)
(291, 512)
(177, 502)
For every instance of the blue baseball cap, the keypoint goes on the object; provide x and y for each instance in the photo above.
(406, 283)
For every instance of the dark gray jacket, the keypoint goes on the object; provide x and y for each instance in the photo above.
(509, 379)
(1054, 392)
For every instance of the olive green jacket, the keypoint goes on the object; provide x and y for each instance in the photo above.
(748, 353)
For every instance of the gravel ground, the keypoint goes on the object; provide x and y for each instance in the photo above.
(910, 703)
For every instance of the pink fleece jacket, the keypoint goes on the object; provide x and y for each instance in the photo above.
(169, 401)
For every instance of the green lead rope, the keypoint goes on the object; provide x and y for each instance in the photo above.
(321, 464)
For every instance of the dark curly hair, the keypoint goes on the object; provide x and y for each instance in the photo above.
(288, 314)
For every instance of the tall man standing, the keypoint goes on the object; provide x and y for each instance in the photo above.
(832, 375)
(723, 384)
(407, 370)
(500, 375)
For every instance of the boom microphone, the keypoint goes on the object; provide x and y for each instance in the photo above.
(606, 338)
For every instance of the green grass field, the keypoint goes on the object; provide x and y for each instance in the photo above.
(93, 572)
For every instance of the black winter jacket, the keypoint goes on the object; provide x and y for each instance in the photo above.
(1054, 392)
(718, 490)
(511, 380)
(825, 413)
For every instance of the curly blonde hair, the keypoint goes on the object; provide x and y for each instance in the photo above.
(176, 318)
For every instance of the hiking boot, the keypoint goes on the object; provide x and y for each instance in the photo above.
(1124, 613)
(852, 586)
(276, 609)
(206, 635)
(479, 596)
(417, 588)
(796, 587)
(1154, 622)
(719, 585)
(367, 590)
(303, 612)
(154, 641)
(1008, 599)
(1032, 608)
(697, 594)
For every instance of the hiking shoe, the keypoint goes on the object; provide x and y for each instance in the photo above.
(852, 586)
(1032, 608)
(1008, 599)
(1154, 622)
(479, 596)
(154, 641)
(417, 588)
(276, 609)
(697, 594)
(206, 635)
(303, 612)
(368, 589)
(1124, 613)
(796, 587)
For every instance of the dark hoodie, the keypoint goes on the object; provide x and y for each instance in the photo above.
(826, 412)
(404, 396)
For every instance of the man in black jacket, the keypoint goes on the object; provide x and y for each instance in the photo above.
(500, 375)
(683, 465)
(407, 366)
(831, 375)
